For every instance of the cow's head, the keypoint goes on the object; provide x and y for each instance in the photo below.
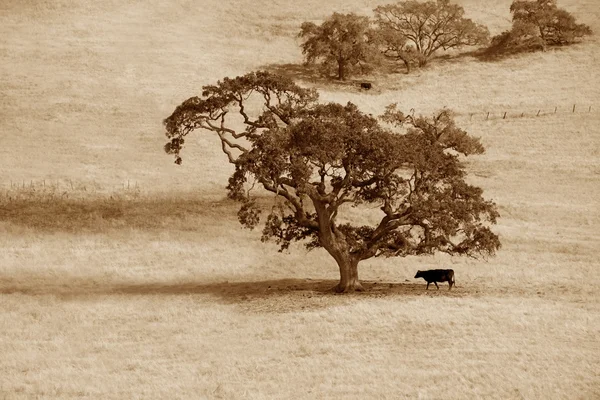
(419, 274)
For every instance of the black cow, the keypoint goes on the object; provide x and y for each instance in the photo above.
(437, 275)
(366, 85)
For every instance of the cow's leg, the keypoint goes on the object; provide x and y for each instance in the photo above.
(450, 283)
(436, 285)
(427, 288)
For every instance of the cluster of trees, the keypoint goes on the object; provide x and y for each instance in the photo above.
(411, 32)
(537, 25)
(321, 160)
(317, 160)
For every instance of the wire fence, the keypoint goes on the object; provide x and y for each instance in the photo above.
(531, 113)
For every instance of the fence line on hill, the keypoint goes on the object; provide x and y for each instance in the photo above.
(500, 113)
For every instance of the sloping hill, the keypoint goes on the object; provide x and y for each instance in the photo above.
(161, 294)
(85, 86)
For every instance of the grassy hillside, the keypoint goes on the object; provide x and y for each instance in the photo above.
(86, 85)
(123, 275)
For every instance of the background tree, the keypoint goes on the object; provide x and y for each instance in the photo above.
(536, 25)
(553, 26)
(398, 48)
(522, 37)
(344, 42)
(429, 26)
(319, 159)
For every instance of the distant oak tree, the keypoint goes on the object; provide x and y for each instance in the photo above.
(538, 24)
(327, 162)
(399, 48)
(344, 43)
(410, 28)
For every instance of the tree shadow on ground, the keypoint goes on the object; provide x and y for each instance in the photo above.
(487, 55)
(491, 55)
(303, 72)
(314, 76)
(281, 295)
(459, 57)
(98, 213)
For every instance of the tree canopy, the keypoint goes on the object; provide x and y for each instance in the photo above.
(555, 25)
(399, 48)
(344, 42)
(426, 27)
(538, 24)
(319, 159)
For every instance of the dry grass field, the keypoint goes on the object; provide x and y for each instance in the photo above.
(125, 276)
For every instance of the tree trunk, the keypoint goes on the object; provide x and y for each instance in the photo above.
(407, 65)
(341, 71)
(543, 36)
(348, 275)
(335, 243)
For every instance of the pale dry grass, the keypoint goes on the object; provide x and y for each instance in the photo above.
(156, 292)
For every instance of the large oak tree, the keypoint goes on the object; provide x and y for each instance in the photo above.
(399, 48)
(320, 159)
(343, 42)
(426, 27)
(553, 26)
(536, 25)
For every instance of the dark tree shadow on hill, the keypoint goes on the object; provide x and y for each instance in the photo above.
(303, 72)
(273, 295)
(224, 289)
(491, 55)
(314, 76)
(483, 54)
(98, 214)
(497, 54)
(269, 288)
(455, 58)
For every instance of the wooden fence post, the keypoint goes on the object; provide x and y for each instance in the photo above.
(504, 117)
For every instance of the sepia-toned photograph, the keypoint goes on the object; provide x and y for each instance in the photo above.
(299, 199)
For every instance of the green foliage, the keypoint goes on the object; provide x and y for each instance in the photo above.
(412, 31)
(316, 158)
(344, 43)
(536, 25)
